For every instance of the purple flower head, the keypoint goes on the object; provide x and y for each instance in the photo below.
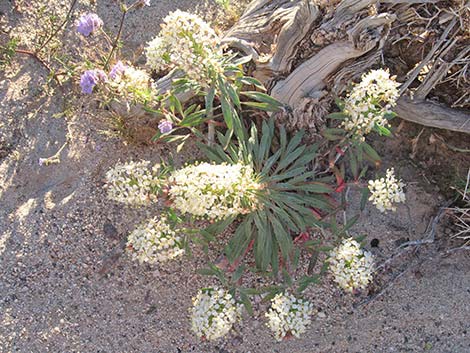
(90, 79)
(88, 23)
(165, 126)
(118, 69)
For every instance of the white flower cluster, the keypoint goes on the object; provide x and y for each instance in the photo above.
(154, 241)
(351, 266)
(213, 314)
(134, 84)
(188, 43)
(369, 102)
(288, 315)
(386, 191)
(214, 191)
(133, 183)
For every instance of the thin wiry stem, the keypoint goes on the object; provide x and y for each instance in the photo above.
(116, 40)
(67, 17)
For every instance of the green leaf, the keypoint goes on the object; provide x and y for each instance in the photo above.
(209, 99)
(287, 277)
(252, 81)
(285, 218)
(261, 106)
(305, 281)
(354, 165)
(349, 224)
(371, 153)
(176, 104)
(316, 187)
(339, 103)
(246, 302)
(233, 95)
(270, 162)
(364, 198)
(282, 236)
(382, 130)
(242, 60)
(290, 158)
(193, 119)
(238, 273)
(333, 134)
(287, 175)
(227, 112)
(294, 142)
(263, 243)
(264, 98)
(240, 241)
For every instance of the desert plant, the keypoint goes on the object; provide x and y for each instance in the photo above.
(288, 194)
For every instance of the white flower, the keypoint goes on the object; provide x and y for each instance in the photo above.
(214, 191)
(155, 241)
(133, 183)
(133, 84)
(369, 102)
(213, 313)
(386, 191)
(351, 266)
(188, 43)
(288, 314)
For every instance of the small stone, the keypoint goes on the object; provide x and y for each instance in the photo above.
(236, 341)
(110, 231)
(321, 315)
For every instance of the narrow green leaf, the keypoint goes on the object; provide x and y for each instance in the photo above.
(252, 81)
(282, 236)
(287, 277)
(370, 152)
(364, 198)
(333, 134)
(227, 112)
(264, 98)
(290, 158)
(246, 302)
(233, 95)
(316, 187)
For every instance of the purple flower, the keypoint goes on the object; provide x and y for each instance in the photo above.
(165, 126)
(88, 23)
(90, 79)
(118, 69)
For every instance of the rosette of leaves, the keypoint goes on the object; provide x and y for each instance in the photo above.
(290, 193)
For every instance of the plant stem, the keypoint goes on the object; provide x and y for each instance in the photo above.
(210, 124)
(72, 5)
(118, 37)
(34, 55)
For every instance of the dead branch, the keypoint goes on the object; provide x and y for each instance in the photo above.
(433, 115)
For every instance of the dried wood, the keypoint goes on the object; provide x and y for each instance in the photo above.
(433, 115)
(309, 78)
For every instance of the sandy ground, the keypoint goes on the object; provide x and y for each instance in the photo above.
(67, 286)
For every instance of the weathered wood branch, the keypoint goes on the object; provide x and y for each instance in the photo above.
(433, 115)
(344, 40)
(309, 78)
